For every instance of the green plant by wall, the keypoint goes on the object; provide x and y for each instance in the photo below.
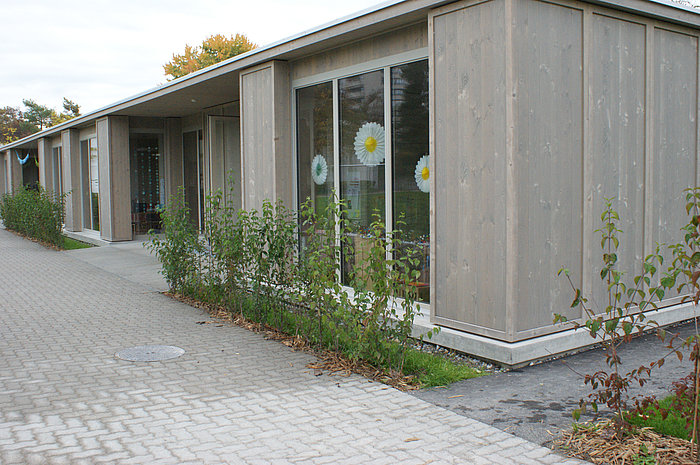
(249, 263)
(624, 316)
(179, 248)
(615, 325)
(36, 213)
(684, 275)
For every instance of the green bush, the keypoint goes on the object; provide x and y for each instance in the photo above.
(35, 213)
(249, 262)
(179, 249)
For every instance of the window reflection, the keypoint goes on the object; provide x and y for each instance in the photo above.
(362, 157)
(362, 186)
(411, 204)
(315, 147)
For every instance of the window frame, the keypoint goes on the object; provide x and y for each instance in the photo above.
(384, 64)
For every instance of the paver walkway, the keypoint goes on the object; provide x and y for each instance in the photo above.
(233, 397)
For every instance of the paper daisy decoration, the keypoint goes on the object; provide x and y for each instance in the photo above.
(319, 169)
(423, 174)
(369, 144)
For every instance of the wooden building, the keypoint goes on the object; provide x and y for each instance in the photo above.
(496, 128)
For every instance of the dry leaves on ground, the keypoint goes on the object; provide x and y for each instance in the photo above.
(598, 444)
(331, 362)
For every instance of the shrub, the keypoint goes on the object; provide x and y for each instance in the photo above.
(614, 325)
(179, 249)
(249, 262)
(36, 213)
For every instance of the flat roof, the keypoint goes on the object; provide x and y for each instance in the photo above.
(192, 90)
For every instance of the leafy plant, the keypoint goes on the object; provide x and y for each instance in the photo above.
(644, 457)
(668, 416)
(249, 262)
(36, 213)
(179, 248)
(684, 274)
(618, 321)
(385, 295)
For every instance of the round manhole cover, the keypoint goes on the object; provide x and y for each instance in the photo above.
(149, 353)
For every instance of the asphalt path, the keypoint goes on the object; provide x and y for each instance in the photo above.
(536, 402)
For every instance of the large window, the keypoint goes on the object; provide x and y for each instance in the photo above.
(410, 177)
(362, 159)
(57, 174)
(374, 129)
(316, 177)
(90, 183)
(145, 162)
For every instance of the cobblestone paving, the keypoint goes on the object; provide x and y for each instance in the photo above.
(233, 397)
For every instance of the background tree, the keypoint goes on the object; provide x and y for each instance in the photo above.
(38, 115)
(16, 124)
(214, 49)
(70, 111)
(13, 125)
(70, 108)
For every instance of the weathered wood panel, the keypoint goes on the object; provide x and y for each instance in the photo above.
(70, 154)
(548, 101)
(115, 184)
(147, 124)
(266, 152)
(105, 182)
(257, 115)
(614, 162)
(3, 173)
(45, 163)
(225, 154)
(173, 156)
(469, 167)
(15, 171)
(282, 140)
(674, 155)
(392, 43)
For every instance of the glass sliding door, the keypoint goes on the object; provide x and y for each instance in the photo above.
(90, 184)
(367, 135)
(411, 173)
(57, 171)
(316, 167)
(145, 160)
(225, 158)
(362, 159)
(193, 176)
(30, 169)
(94, 185)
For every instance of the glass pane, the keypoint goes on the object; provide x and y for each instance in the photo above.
(57, 175)
(411, 202)
(145, 184)
(362, 158)
(191, 184)
(85, 184)
(315, 146)
(94, 185)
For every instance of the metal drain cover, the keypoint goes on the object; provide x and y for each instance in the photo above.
(149, 353)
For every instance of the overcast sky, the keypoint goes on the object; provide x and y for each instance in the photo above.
(96, 52)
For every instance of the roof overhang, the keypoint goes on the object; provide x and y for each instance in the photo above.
(218, 84)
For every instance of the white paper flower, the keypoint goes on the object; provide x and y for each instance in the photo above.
(319, 169)
(369, 144)
(423, 174)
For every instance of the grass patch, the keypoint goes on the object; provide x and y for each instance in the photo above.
(72, 244)
(434, 370)
(673, 425)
